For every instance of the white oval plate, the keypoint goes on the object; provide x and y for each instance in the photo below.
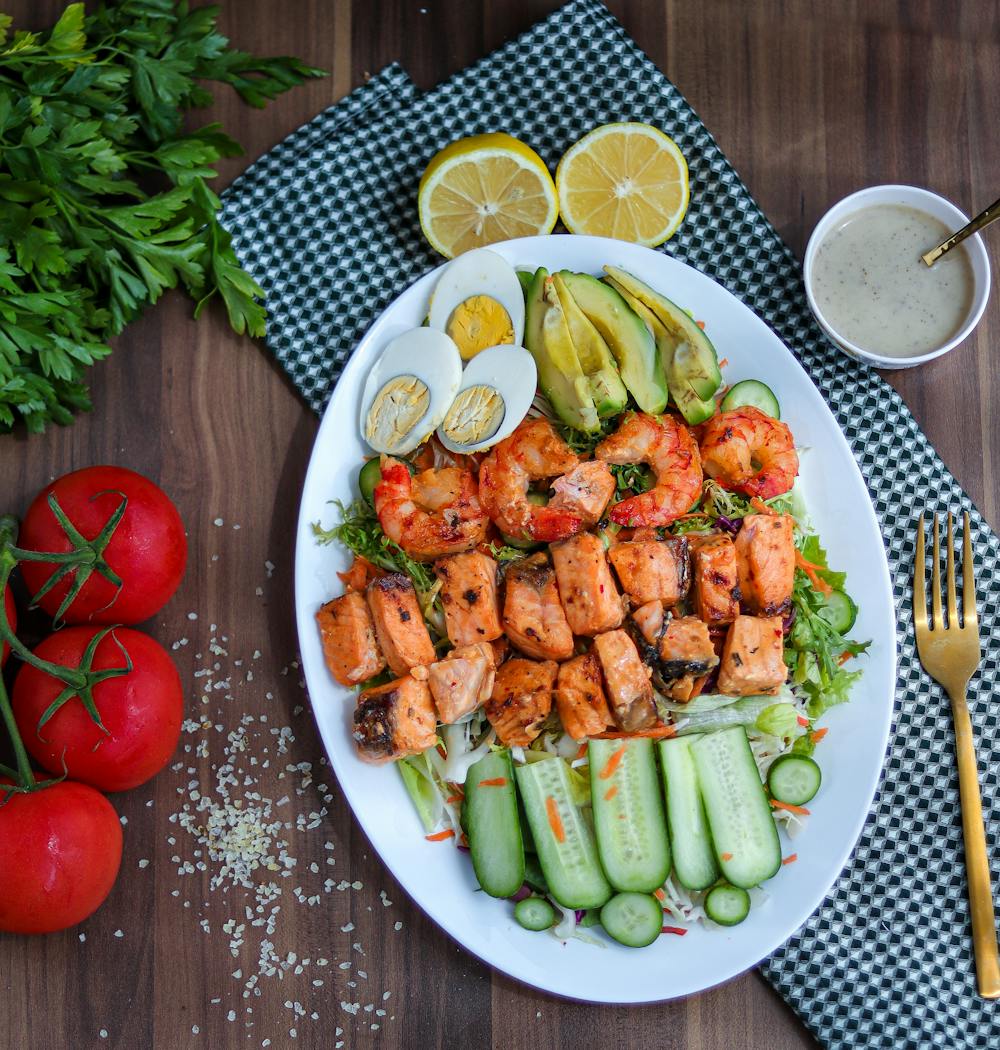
(440, 878)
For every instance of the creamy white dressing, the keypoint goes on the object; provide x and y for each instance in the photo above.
(872, 288)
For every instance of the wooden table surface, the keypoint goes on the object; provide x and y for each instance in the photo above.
(810, 102)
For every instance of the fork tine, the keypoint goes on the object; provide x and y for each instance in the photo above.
(969, 615)
(952, 598)
(937, 620)
(919, 572)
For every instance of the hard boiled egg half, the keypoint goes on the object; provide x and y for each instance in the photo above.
(478, 302)
(409, 390)
(497, 388)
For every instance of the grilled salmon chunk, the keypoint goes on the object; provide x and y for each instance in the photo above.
(348, 636)
(533, 616)
(580, 700)
(627, 680)
(584, 491)
(521, 700)
(589, 595)
(686, 654)
(469, 597)
(765, 563)
(461, 681)
(753, 657)
(649, 619)
(716, 594)
(399, 623)
(651, 570)
(394, 720)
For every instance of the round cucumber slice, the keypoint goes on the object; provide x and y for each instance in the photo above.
(727, 905)
(534, 913)
(633, 919)
(794, 779)
(368, 477)
(755, 394)
(840, 612)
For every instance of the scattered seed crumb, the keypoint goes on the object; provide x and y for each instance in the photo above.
(103, 1033)
(144, 862)
(218, 523)
(83, 937)
(119, 933)
(192, 616)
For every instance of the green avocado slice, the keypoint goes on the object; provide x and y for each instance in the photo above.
(630, 341)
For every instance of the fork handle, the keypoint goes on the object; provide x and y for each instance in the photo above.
(984, 934)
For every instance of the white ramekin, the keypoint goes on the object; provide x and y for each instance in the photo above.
(922, 200)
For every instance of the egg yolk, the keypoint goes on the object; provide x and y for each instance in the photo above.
(396, 409)
(475, 415)
(477, 323)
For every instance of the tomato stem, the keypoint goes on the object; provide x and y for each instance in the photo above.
(79, 681)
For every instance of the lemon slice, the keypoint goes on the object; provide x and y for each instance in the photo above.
(484, 189)
(628, 181)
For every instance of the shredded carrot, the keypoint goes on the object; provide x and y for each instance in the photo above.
(612, 764)
(801, 810)
(802, 720)
(464, 840)
(440, 836)
(452, 799)
(761, 507)
(791, 858)
(844, 657)
(679, 930)
(493, 782)
(610, 793)
(724, 362)
(701, 325)
(555, 821)
(457, 789)
(581, 750)
(697, 687)
(659, 895)
(818, 734)
(726, 856)
(441, 750)
(811, 571)
(657, 732)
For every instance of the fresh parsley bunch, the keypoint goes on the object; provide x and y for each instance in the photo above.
(104, 198)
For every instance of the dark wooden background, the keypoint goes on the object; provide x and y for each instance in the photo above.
(810, 101)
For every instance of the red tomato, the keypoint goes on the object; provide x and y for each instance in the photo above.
(60, 850)
(142, 710)
(148, 549)
(8, 603)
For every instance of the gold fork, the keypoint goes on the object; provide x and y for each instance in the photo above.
(950, 654)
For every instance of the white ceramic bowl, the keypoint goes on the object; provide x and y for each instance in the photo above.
(922, 200)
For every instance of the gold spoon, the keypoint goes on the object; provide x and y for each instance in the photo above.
(980, 222)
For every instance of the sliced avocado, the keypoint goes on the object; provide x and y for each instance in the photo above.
(524, 279)
(606, 386)
(630, 340)
(547, 339)
(693, 408)
(701, 365)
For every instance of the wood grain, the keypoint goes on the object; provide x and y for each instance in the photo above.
(810, 102)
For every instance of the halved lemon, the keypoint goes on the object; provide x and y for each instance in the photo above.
(628, 181)
(484, 189)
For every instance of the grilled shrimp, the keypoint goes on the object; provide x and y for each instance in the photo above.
(435, 513)
(532, 452)
(669, 448)
(749, 452)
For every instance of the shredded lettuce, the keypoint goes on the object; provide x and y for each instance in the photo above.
(778, 720)
(743, 712)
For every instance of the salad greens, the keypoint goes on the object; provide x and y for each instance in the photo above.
(104, 196)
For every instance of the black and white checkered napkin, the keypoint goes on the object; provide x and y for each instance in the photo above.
(327, 222)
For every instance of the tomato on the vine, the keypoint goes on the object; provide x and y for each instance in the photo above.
(141, 711)
(8, 604)
(147, 550)
(62, 847)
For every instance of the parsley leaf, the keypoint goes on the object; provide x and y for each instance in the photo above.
(104, 196)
